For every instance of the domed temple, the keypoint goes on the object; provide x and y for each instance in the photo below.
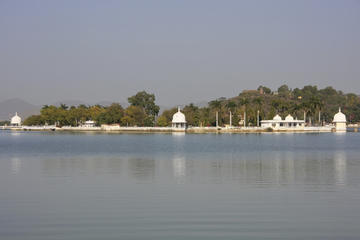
(340, 121)
(15, 120)
(178, 120)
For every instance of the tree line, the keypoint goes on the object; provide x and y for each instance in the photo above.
(263, 103)
(4, 123)
(246, 108)
(141, 112)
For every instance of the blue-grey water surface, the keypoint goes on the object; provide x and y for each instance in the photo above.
(175, 186)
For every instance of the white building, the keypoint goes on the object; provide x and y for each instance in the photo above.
(178, 120)
(340, 121)
(278, 123)
(15, 120)
(88, 124)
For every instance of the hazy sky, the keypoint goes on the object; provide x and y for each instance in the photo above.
(183, 51)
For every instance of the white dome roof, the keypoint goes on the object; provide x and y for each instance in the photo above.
(178, 117)
(277, 118)
(15, 119)
(289, 118)
(339, 117)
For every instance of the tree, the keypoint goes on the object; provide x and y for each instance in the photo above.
(127, 121)
(146, 101)
(49, 114)
(166, 117)
(215, 104)
(244, 102)
(314, 105)
(230, 105)
(192, 114)
(284, 90)
(162, 121)
(63, 106)
(112, 114)
(258, 102)
(309, 91)
(34, 120)
(266, 90)
(136, 115)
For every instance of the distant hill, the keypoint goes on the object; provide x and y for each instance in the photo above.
(24, 109)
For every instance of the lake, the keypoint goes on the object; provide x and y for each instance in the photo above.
(175, 186)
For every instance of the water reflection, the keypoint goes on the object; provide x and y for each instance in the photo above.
(340, 168)
(266, 169)
(178, 134)
(142, 169)
(179, 168)
(15, 165)
(83, 165)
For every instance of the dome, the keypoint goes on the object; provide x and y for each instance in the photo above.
(289, 118)
(178, 117)
(277, 118)
(15, 120)
(339, 117)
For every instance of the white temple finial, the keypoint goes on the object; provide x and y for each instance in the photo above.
(15, 113)
(178, 108)
(339, 109)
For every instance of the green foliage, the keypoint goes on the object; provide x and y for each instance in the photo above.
(295, 102)
(162, 121)
(141, 112)
(146, 101)
(265, 90)
(3, 123)
(34, 120)
(192, 115)
(284, 90)
(142, 109)
(215, 104)
(165, 119)
(136, 116)
(110, 115)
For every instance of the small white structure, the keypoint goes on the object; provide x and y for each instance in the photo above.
(178, 120)
(110, 127)
(88, 124)
(15, 121)
(340, 121)
(287, 124)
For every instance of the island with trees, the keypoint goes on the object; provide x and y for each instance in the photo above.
(250, 106)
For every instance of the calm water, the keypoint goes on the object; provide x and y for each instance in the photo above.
(164, 186)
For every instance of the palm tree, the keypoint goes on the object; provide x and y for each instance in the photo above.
(216, 105)
(230, 105)
(244, 102)
(63, 106)
(315, 105)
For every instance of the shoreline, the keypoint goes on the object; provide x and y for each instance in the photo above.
(191, 130)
